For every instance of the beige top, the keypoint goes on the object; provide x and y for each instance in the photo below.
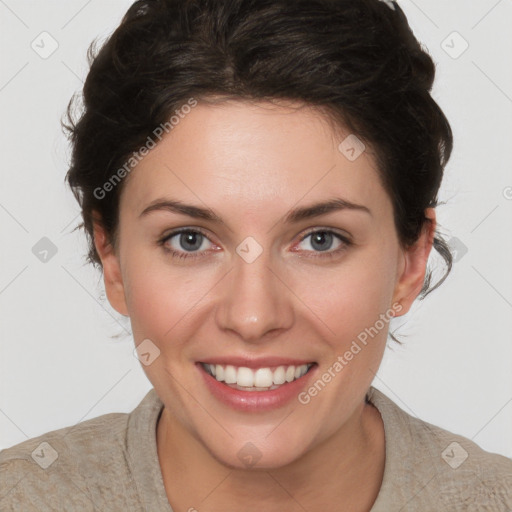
(110, 463)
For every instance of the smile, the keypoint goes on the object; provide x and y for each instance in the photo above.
(258, 379)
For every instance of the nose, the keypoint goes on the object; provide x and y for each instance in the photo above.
(255, 302)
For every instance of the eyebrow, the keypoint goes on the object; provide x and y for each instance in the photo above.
(295, 215)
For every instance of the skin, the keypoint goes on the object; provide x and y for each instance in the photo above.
(251, 163)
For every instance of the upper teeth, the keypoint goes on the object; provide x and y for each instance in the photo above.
(260, 378)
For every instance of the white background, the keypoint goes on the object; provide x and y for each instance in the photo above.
(60, 364)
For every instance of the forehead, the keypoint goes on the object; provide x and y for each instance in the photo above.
(255, 156)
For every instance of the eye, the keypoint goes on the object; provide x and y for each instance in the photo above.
(321, 241)
(184, 243)
(188, 242)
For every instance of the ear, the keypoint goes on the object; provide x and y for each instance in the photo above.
(112, 276)
(413, 265)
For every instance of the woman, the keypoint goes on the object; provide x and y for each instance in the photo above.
(295, 146)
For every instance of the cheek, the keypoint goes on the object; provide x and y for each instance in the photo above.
(163, 299)
(350, 297)
(356, 307)
(153, 300)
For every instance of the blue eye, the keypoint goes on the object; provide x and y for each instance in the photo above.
(189, 242)
(322, 240)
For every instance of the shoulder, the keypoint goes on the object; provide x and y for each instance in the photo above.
(75, 467)
(431, 465)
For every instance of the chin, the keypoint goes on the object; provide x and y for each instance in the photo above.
(262, 454)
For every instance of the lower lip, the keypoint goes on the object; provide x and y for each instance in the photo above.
(255, 401)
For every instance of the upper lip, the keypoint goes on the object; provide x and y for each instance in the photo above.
(260, 362)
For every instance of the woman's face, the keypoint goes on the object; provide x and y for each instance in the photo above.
(263, 281)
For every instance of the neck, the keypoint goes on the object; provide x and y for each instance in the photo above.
(344, 472)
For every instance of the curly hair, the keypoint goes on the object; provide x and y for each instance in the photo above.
(355, 60)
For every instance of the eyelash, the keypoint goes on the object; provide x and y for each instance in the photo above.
(319, 254)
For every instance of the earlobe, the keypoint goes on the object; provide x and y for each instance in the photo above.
(114, 286)
(415, 258)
